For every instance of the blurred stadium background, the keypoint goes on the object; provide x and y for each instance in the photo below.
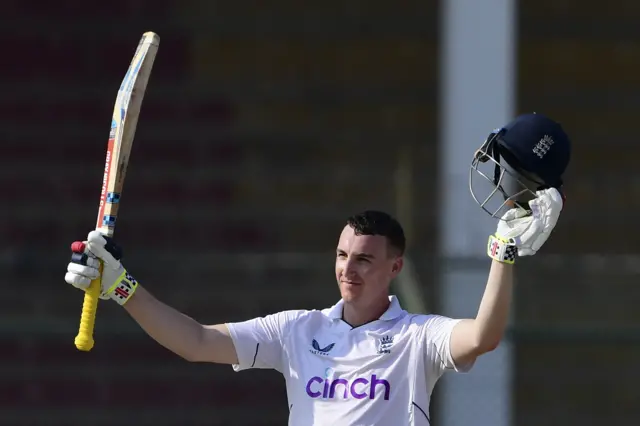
(264, 125)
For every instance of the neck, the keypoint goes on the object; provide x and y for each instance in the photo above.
(357, 315)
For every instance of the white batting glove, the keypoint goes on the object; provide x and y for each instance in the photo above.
(116, 282)
(523, 233)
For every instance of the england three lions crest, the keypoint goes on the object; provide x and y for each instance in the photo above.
(385, 344)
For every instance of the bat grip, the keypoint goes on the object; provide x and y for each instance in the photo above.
(84, 339)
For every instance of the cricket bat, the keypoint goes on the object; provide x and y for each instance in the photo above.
(123, 128)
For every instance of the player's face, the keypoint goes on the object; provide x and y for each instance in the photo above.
(364, 267)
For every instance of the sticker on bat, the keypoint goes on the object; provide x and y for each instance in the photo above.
(114, 127)
(109, 220)
(113, 197)
(136, 70)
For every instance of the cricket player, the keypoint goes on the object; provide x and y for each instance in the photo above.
(365, 360)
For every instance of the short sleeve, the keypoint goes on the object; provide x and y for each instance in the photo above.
(258, 341)
(438, 331)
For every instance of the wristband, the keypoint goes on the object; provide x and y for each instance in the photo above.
(123, 288)
(501, 250)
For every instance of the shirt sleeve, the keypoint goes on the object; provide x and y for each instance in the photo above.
(258, 341)
(438, 340)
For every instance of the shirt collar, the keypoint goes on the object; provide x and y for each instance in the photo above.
(393, 311)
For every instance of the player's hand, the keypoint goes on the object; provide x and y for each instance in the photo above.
(523, 232)
(87, 259)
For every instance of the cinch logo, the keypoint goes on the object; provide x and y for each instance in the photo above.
(360, 388)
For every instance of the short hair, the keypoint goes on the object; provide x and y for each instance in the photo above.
(374, 222)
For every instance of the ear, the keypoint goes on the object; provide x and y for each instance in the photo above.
(397, 266)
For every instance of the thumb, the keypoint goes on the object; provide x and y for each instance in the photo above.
(526, 251)
(514, 213)
(104, 248)
(515, 227)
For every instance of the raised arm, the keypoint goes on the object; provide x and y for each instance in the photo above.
(180, 333)
(519, 233)
(471, 338)
(172, 329)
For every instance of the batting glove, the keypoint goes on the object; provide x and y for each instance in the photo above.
(522, 232)
(86, 261)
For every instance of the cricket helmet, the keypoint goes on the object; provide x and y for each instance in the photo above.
(529, 154)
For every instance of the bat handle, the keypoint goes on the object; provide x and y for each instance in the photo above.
(84, 339)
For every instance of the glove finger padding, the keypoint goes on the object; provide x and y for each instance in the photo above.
(545, 208)
(528, 231)
(83, 271)
(513, 224)
(88, 260)
(104, 248)
(76, 279)
(116, 283)
(83, 266)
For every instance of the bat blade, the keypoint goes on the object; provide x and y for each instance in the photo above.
(124, 122)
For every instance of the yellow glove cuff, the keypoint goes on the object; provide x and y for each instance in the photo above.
(501, 250)
(123, 288)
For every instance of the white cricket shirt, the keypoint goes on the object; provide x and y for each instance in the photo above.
(381, 373)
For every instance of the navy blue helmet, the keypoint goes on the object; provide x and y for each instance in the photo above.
(530, 153)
